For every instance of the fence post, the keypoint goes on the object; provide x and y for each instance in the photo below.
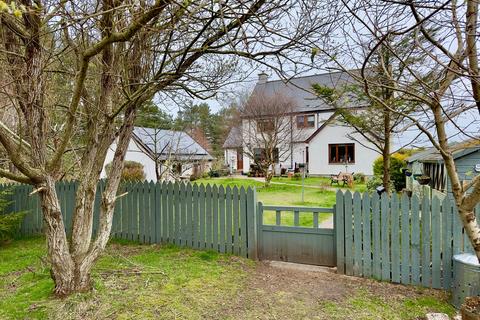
(259, 229)
(339, 233)
(251, 223)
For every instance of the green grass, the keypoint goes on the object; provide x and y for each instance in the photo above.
(320, 182)
(134, 281)
(365, 305)
(285, 195)
(171, 283)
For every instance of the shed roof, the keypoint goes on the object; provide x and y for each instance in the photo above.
(170, 143)
(458, 149)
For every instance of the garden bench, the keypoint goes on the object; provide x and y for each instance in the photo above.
(341, 176)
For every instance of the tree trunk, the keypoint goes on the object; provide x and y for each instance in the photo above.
(386, 151)
(66, 274)
(268, 177)
(471, 228)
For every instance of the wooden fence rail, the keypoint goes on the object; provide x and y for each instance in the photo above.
(196, 216)
(398, 239)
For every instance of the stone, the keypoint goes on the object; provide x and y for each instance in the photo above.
(437, 316)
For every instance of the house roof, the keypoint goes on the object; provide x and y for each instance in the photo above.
(234, 138)
(458, 149)
(324, 124)
(300, 89)
(170, 143)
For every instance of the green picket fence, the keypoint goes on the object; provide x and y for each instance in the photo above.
(196, 216)
(398, 239)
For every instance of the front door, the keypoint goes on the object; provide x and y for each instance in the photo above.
(239, 159)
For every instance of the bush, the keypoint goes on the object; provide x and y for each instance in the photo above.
(375, 182)
(297, 176)
(132, 171)
(9, 222)
(359, 177)
(213, 173)
(397, 163)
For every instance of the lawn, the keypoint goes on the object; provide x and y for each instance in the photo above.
(288, 192)
(164, 282)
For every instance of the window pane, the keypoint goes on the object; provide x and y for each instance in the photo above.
(341, 153)
(257, 154)
(275, 155)
(300, 120)
(311, 121)
(333, 153)
(351, 153)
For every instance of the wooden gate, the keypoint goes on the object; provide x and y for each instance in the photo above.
(296, 234)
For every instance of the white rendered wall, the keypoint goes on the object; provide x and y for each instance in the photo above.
(337, 134)
(133, 154)
(231, 159)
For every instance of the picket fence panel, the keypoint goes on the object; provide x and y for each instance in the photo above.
(195, 216)
(399, 239)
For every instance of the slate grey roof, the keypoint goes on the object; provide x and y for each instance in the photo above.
(234, 138)
(459, 150)
(300, 89)
(169, 143)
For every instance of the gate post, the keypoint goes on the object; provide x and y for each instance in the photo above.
(339, 225)
(259, 225)
(252, 223)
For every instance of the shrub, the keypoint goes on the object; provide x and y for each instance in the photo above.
(375, 182)
(9, 222)
(359, 177)
(397, 163)
(132, 171)
(297, 176)
(213, 173)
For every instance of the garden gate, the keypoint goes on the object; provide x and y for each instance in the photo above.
(296, 238)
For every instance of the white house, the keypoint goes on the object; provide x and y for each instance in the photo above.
(164, 153)
(326, 145)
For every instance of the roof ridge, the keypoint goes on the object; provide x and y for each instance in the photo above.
(311, 75)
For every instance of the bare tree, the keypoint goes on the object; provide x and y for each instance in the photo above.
(268, 130)
(444, 87)
(370, 120)
(77, 71)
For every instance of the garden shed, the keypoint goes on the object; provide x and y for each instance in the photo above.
(429, 163)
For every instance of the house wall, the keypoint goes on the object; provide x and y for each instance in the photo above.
(231, 159)
(334, 134)
(133, 154)
(318, 148)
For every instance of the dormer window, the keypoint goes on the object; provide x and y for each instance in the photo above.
(306, 121)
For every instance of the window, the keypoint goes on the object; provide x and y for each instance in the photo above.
(306, 121)
(260, 155)
(265, 125)
(341, 153)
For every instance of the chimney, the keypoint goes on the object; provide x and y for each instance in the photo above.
(262, 77)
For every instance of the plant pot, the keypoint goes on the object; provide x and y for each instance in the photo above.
(466, 278)
(423, 180)
(470, 309)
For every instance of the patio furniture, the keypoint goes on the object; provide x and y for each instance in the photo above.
(344, 177)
